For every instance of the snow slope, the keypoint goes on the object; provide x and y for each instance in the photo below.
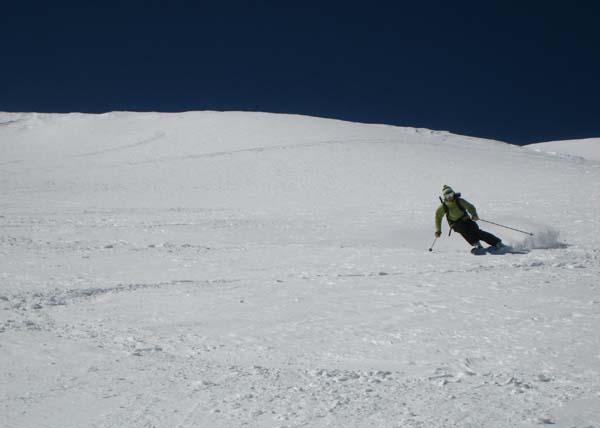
(211, 269)
(588, 148)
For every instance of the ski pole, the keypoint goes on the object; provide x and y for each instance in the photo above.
(432, 244)
(511, 228)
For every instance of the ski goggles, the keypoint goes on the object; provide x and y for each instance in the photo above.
(449, 196)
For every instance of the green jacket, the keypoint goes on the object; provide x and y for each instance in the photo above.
(454, 212)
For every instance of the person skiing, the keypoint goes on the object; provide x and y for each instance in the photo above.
(461, 216)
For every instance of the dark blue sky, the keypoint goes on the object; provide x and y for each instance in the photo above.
(520, 72)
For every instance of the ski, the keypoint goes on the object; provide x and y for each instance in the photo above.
(478, 251)
(505, 250)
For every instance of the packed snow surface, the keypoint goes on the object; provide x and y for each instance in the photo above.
(211, 269)
(588, 148)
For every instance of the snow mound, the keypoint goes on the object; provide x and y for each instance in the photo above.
(588, 148)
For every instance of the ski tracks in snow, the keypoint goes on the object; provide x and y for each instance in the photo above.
(321, 335)
(157, 136)
(236, 377)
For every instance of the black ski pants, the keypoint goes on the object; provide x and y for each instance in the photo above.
(472, 233)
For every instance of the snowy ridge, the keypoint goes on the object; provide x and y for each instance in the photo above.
(588, 148)
(232, 269)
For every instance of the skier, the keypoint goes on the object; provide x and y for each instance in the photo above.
(461, 216)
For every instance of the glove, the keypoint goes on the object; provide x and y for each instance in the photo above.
(475, 218)
(438, 233)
